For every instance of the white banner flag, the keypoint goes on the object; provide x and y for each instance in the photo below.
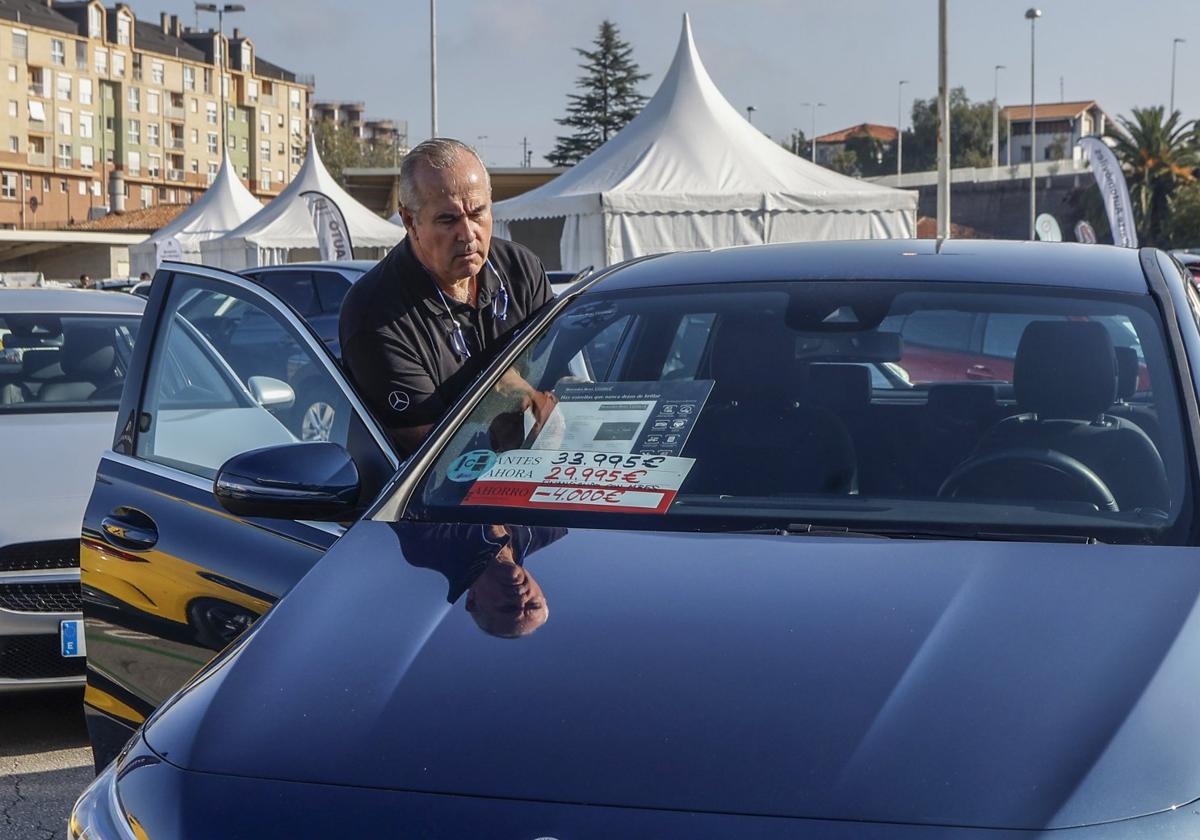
(332, 234)
(1113, 188)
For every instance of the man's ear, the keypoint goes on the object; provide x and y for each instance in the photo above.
(470, 601)
(409, 220)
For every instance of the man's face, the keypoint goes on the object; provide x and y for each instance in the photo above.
(452, 230)
(506, 600)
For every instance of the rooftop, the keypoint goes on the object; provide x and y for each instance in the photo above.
(884, 133)
(145, 220)
(1050, 110)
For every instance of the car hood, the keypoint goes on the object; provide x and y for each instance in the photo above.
(50, 463)
(986, 684)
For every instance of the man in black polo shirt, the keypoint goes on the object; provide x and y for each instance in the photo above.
(418, 327)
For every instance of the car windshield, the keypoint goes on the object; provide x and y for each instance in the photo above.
(52, 362)
(938, 409)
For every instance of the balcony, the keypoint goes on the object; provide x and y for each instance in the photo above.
(175, 175)
(175, 143)
(39, 159)
(172, 112)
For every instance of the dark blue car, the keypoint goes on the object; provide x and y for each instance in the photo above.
(724, 581)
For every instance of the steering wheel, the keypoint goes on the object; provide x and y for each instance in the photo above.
(1044, 466)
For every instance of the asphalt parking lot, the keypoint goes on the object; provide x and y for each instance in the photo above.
(45, 762)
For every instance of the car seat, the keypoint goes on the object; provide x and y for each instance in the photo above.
(759, 434)
(1129, 368)
(1063, 445)
(88, 365)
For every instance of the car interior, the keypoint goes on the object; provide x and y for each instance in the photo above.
(815, 393)
(63, 361)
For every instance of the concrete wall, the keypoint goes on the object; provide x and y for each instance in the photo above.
(1000, 209)
(68, 262)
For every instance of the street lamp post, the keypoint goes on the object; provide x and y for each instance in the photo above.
(750, 109)
(221, 11)
(996, 117)
(900, 129)
(943, 123)
(1032, 15)
(812, 142)
(433, 103)
(1174, 46)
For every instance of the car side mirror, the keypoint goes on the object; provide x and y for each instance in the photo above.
(317, 481)
(270, 392)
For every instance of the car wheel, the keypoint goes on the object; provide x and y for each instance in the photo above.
(316, 421)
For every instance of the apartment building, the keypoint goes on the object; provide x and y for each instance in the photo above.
(380, 132)
(1060, 127)
(96, 101)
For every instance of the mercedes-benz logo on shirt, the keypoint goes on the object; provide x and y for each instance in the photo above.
(398, 400)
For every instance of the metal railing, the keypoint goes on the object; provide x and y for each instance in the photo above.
(175, 143)
(36, 159)
(173, 112)
(175, 175)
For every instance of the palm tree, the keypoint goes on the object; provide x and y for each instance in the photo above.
(1159, 155)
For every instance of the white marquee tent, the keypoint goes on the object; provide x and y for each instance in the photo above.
(225, 205)
(689, 173)
(285, 225)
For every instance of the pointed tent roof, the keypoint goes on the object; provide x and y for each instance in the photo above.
(689, 150)
(287, 223)
(225, 205)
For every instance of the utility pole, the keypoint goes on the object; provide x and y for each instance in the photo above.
(943, 190)
(996, 116)
(900, 129)
(1174, 46)
(525, 151)
(433, 103)
(1032, 15)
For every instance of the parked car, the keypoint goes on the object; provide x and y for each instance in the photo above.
(726, 588)
(63, 356)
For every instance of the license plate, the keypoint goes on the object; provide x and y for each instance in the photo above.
(70, 638)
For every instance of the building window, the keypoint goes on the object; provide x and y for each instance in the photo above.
(279, 120)
(86, 124)
(13, 108)
(45, 183)
(264, 122)
(207, 80)
(294, 97)
(189, 78)
(156, 72)
(133, 162)
(28, 183)
(212, 171)
(232, 115)
(81, 55)
(12, 73)
(295, 127)
(212, 142)
(135, 99)
(252, 91)
(195, 105)
(110, 124)
(85, 91)
(153, 165)
(245, 144)
(279, 175)
(210, 112)
(195, 135)
(62, 185)
(95, 188)
(152, 102)
(231, 141)
(119, 65)
(14, 144)
(147, 196)
(296, 156)
(137, 67)
(87, 157)
(64, 122)
(64, 155)
(135, 131)
(64, 87)
(264, 180)
(101, 61)
(195, 166)
(264, 150)
(247, 58)
(95, 22)
(20, 44)
(58, 52)
(280, 150)
(124, 24)
(152, 133)
(8, 185)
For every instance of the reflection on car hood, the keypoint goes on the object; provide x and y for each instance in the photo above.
(954, 683)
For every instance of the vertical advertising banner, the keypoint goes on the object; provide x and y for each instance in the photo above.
(333, 236)
(1114, 190)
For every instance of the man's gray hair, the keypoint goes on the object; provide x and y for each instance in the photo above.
(437, 153)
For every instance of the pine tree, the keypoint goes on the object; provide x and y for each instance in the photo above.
(609, 97)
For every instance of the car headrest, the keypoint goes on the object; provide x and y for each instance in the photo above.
(840, 387)
(1128, 368)
(41, 364)
(1065, 370)
(962, 402)
(751, 356)
(88, 353)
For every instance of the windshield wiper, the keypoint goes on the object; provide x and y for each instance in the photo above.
(805, 529)
(811, 530)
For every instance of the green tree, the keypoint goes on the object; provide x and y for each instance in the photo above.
(608, 100)
(340, 149)
(797, 144)
(970, 133)
(1159, 156)
(845, 162)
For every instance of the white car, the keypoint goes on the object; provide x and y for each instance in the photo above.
(63, 358)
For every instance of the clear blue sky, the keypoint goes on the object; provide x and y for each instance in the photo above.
(506, 66)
